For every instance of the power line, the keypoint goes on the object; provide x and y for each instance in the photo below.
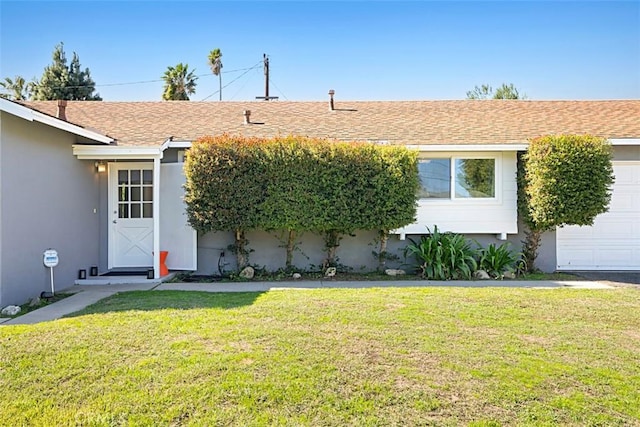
(237, 78)
(278, 89)
(145, 81)
(247, 80)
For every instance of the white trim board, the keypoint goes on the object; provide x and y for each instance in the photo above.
(96, 152)
(32, 115)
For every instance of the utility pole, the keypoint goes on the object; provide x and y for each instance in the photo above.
(266, 96)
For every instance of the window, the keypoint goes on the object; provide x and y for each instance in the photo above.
(135, 193)
(457, 178)
(435, 178)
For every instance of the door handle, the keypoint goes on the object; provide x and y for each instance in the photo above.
(115, 222)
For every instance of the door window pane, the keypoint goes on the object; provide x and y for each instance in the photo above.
(123, 177)
(475, 178)
(435, 178)
(147, 177)
(147, 210)
(135, 177)
(147, 194)
(123, 193)
(135, 210)
(123, 210)
(135, 194)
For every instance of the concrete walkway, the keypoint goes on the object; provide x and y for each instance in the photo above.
(85, 295)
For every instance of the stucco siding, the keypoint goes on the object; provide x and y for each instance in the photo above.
(354, 251)
(50, 199)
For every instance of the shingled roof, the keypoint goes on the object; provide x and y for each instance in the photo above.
(462, 122)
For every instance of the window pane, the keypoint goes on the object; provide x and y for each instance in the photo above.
(147, 177)
(123, 194)
(135, 177)
(123, 210)
(123, 177)
(435, 178)
(475, 178)
(135, 210)
(147, 194)
(147, 210)
(135, 194)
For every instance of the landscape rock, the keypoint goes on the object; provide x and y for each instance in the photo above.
(394, 272)
(247, 273)
(331, 271)
(481, 275)
(11, 310)
(296, 275)
(35, 301)
(509, 275)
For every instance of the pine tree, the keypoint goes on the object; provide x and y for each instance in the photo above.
(62, 81)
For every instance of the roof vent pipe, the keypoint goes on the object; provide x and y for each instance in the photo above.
(62, 106)
(247, 116)
(331, 93)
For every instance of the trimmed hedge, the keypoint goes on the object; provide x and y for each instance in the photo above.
(562, 180)
(299, 184)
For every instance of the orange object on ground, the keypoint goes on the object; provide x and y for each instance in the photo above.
(163, 267)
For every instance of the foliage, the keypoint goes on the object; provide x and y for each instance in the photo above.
(214, 61)
(562, 180)
(297, 184)
(496, 260)
(17, 88)
(225, 187)
(62, 81)
(503, 92)
(443, 256)
(179, 83)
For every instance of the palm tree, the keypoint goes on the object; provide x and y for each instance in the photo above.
(18, 88)
(179, 83)
(216, 66)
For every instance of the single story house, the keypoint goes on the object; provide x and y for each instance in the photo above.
(101, 182)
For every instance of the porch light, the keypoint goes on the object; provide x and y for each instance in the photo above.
(101, 167)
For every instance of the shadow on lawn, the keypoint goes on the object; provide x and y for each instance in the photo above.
(168, 300)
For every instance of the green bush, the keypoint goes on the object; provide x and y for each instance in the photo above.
(562, 180)
(443, 256)
(496, 260)
(298, 184)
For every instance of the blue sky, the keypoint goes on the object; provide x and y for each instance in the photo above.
(362, 50)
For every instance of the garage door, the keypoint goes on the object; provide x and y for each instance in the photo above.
(613, 242)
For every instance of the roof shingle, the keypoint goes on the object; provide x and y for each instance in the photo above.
(463, 122)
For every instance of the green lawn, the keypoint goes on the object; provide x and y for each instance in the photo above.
(423, 356)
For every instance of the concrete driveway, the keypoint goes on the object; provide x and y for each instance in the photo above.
(613, 277)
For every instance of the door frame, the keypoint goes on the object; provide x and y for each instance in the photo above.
(112, 205)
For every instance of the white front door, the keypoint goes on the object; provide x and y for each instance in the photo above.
(130, 215)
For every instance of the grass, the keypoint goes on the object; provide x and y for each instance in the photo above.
(410, 356)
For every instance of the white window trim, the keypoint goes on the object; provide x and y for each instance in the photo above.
(497, 158)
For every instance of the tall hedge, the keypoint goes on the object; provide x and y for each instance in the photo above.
(299, 184)
(225, 187)
(562, 180)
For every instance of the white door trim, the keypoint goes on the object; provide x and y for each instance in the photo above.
(156, 218)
